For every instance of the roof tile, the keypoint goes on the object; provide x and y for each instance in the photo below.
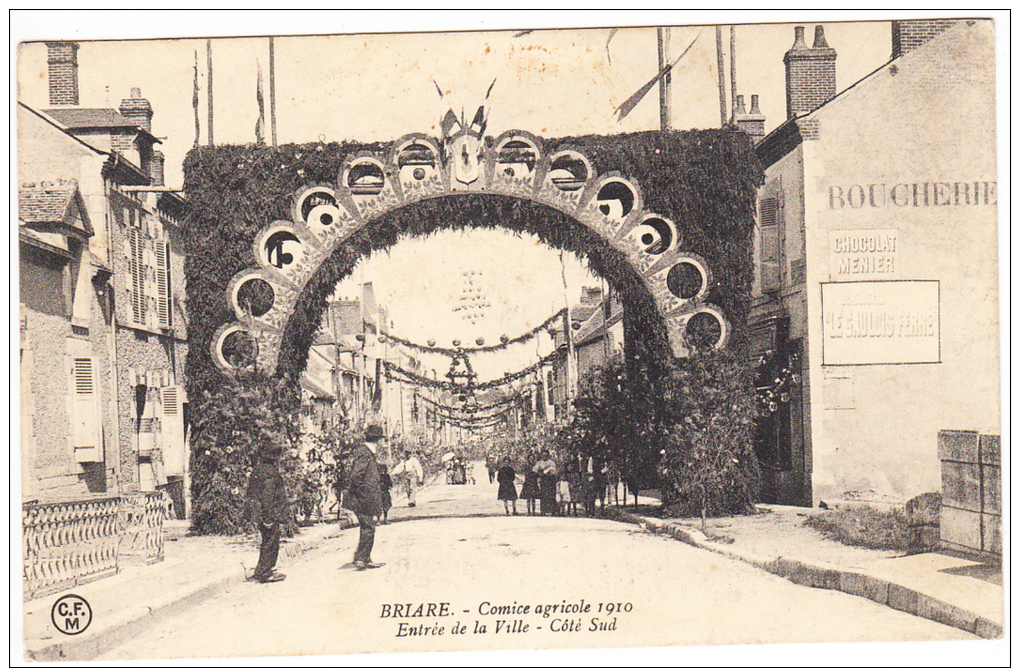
(46, 202)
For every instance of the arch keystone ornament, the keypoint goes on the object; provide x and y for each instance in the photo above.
(370, 185)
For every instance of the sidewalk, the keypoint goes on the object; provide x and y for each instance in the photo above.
(961, 592)
(194, 569)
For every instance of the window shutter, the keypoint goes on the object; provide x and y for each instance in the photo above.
(769, 252)
(163, 302)
(172, 421)
(137, 261)
(86, 430)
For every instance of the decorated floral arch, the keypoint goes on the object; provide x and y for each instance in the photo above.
(665, 218)
(369, 185)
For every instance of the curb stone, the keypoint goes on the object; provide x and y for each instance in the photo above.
(824, 576)
(135, 620)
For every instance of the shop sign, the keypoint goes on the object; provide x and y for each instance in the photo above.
(880, 322)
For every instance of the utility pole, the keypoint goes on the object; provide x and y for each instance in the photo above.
(208, 58)
(272, 91)
(733, 72)
(665, 84)
(722, 76)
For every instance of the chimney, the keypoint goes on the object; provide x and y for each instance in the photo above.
(810, 73)
(908, 35)
(136, 108)
(591, 296)
(62, 59)
(752, 123)
(157, 168)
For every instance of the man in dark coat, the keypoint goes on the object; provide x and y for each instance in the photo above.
(267, 506)
(362, 495)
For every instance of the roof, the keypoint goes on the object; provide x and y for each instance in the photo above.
(315, 387)
(60, 126)
(45, 203)
(48, 204)
(77, 118)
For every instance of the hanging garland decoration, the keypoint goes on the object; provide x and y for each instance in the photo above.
(468, 374)
(454, 352)
(455, 414)
(468, 418)
(466, 424)
(778, 384)
(468, 409)
(406, 376)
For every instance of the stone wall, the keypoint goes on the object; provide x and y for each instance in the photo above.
(971, 516)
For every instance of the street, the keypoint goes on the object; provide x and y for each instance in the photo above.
(521, 582)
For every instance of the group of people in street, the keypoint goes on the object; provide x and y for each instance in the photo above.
(548, 491)
(366, 491)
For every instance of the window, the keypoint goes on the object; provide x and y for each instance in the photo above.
(164, 303)
(769, 250)
(172, 430)
(86, 429)
(137, 262)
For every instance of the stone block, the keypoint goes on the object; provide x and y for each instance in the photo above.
(990, 447)
(986, 628)
(991, 533)
(958, 446)
(991, 490)
(865, 586)
(944, 613)
(960, 527)
(812, 576)
(961, 485)
(901, 598)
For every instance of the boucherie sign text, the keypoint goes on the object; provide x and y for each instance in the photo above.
(935, 193)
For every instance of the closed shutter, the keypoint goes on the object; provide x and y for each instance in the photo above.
(86, 430)
(769, 252)
(137, 261)
(163, 300)
(172, 422)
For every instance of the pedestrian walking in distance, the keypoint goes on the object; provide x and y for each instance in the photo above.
(529, 490)
(363, 493)
(414, 475)
(267, 506)
(507, 493)
(546, 470)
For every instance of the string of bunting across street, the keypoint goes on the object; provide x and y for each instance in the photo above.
(459, 351)
(394, 372)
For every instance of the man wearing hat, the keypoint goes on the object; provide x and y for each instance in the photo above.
(363, 494)
(267, 506)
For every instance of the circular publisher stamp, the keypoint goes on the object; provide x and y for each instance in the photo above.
(71, 614)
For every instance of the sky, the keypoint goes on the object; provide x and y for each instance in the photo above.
(372, 87)
(379, 87)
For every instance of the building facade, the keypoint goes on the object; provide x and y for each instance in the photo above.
(875, 317)
(102, 299)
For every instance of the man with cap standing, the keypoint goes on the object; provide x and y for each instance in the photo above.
(363, 495)
(267, 506)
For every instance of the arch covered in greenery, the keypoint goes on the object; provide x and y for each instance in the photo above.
(699, 184)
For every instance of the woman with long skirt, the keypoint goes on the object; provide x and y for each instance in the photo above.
(507, 492)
